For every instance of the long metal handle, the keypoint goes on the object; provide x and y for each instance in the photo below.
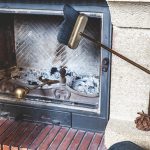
(116, 53)
(45, 81)
(41, 85)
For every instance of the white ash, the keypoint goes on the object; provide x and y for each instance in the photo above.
(84, 84)
(80, 83)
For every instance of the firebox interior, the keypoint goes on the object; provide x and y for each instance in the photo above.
(39, 54)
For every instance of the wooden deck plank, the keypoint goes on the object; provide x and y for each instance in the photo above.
(86, 141)
(9, 130)
(67, 140)
(57, 141)
(13, 136)
(2, 121)
(32, 137)
(76, 141)
(20, 132)
(40, 138)
(52, 134)
(5, 125)
(27, 132)
(95, 142)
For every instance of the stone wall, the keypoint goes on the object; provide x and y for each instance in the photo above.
(130, 86)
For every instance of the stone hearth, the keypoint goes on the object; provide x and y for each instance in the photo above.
(130, 86)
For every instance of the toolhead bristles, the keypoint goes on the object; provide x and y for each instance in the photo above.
(73, 25)
(70, 17)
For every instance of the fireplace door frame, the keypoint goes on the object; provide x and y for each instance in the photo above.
(57, 115)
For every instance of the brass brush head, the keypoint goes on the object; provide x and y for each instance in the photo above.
(71, 28)
(77, 31)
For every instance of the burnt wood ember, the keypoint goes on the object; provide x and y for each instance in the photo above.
(25, 135)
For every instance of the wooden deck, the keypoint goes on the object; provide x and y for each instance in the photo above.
(21, 135)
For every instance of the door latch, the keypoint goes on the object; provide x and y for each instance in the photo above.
(105, 64)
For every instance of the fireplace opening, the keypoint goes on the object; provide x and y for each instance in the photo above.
(79, 79)
(40, 55)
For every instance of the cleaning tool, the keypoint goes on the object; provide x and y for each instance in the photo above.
(72, 30)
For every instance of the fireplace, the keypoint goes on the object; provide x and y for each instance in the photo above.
(80, 95)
